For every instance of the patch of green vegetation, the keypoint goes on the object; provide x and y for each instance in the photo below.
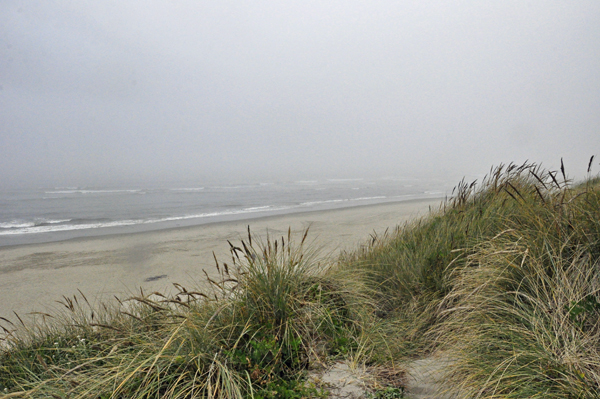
(585, 307)
(387, 393)
(289, 390)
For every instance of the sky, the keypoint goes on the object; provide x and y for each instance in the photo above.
(125, 92)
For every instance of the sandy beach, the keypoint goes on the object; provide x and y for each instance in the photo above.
(34, 277)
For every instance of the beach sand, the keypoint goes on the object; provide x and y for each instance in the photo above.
(34, 277)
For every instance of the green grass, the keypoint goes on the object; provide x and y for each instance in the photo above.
(504, 278)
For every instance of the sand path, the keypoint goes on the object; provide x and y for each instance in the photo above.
(426, 378)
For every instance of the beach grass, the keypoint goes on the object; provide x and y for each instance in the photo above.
(503, 279)
(252, 333)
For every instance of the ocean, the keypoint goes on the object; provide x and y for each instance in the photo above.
(61, 213)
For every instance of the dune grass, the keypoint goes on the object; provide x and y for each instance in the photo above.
(526, 303)
(253, 333)
(504, 278)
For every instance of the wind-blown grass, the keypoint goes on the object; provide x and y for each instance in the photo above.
(526, 304)
(527, 322)
(505, 279)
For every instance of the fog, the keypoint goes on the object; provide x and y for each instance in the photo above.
(113, 92)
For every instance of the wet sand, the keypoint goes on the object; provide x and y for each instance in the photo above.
(33, 277)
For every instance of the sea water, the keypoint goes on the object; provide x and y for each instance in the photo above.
(60, 213)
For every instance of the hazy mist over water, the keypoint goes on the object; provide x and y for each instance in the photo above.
(123, 94)
(43, 215)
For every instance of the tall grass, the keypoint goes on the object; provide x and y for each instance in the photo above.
(525, 324)
(526, 303)
(253, 333)
(411, 267)
(505, 278)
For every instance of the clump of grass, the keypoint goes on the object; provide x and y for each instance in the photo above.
(275, 311)
(411, 267)
(505, 278)
(524, 322)
(526, 304)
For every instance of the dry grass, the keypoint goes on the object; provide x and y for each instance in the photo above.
(526, 304)
(505, 278)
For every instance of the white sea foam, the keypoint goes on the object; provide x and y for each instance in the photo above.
(54, 221)
(306, 182)
(191, 189)
(19, 224)
(397, 178)
(257, 208)
(32, 228)
(78, 191)
(312, 203)
(344, 180)
(65, 227)
(434, 192)
(15, 224)
(369, 198)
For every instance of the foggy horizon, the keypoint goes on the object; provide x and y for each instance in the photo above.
(143, 92)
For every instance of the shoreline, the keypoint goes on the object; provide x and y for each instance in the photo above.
(258, 217)
(35, 276)
(11, 240)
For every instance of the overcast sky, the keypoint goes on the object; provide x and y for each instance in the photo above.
(101, 92)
